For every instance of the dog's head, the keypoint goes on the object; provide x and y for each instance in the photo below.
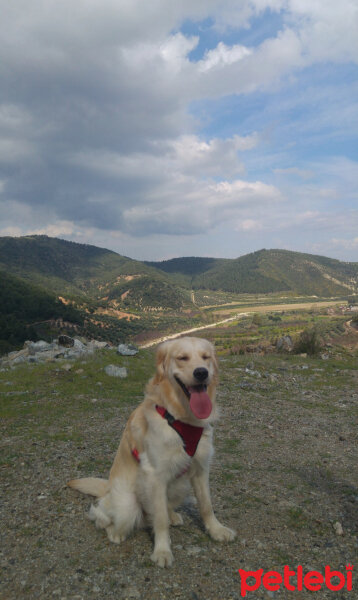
(191, 367)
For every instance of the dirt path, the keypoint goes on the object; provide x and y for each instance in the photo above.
(240, 315)
(189, 331)
(286, 307)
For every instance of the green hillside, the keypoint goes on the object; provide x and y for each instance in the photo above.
(268, 271)
(190, 266)
(26, 312)
(91, 275)
(88, 274)
(64, 266)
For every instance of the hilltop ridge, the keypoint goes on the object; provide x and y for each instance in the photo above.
(266, 271)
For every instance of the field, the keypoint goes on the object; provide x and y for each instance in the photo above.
(284, 474)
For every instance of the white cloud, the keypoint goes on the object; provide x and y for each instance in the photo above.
(222, 55)
(11, 231)
(58, 229)
(172, 159)
(251, 225)
(328, 29)
(199, 207)
(347, 244)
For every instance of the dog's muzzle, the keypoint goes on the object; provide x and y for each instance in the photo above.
(199, 400)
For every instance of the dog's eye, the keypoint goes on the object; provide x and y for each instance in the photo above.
(184, 357)
(205, 357)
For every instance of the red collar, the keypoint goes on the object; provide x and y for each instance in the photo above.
(190, 434)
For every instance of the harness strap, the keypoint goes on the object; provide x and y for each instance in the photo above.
(136, 454)
(190, 434)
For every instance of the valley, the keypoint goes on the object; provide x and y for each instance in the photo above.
(104, 295)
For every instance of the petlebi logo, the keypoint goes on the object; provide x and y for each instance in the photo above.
(296, 580)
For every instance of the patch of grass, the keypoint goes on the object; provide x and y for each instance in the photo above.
(48, 397)
(296, 518)
(230, 446)
(281, 557)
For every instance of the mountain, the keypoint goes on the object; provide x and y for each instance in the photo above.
(99, 276)
(63, 265)
(87, 273)
(266, 271)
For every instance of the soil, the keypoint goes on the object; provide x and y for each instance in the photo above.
(284, 475)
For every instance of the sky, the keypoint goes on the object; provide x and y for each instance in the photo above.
(181, 128)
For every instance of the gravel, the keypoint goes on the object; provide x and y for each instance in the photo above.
(284, 476)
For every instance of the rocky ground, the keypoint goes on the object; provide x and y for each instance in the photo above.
(284, 476)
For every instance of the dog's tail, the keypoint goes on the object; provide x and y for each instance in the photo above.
(90, 485)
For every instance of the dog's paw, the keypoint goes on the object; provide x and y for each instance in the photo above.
(220, 533)
(101, 519)
(115, 536)
(162, 557)
(175, 518)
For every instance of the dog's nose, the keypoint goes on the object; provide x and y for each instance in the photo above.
(201, 373)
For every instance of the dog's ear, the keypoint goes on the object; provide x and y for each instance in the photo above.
(162, 355)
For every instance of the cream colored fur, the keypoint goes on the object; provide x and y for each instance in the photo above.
(154, 488)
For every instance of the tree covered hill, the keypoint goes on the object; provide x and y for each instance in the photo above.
(267, 271)
(24, 310)
(64, 266)
(89, 274)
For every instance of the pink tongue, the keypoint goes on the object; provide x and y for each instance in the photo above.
(200, 404)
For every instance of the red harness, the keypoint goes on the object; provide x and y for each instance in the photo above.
(190, 434)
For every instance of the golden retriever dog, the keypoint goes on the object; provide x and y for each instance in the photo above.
(166, 445)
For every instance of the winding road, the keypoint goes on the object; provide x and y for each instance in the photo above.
(240, 315)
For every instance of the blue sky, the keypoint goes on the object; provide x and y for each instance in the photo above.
(162, 129)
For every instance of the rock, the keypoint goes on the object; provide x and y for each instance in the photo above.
(133, 592)
(127, 350)
(18, 360)
(78, 345)
(49, 355)
(72, 354)
(253, 373)
(99, 345)
(41, 346)
(338, 529)
(284, 344)
(114, 371)
(66, 340)
(18, 353)
(65, 347)
(33, 359)
(193, 550)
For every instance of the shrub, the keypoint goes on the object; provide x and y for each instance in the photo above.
(257, 319)
(309, 342)
(275, 318)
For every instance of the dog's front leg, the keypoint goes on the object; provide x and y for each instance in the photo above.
(200, 483)
(162, 554)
